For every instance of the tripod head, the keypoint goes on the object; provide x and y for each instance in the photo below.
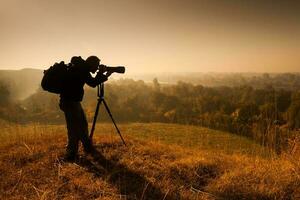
(100, 91)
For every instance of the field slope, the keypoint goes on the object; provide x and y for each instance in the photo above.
(161, 161)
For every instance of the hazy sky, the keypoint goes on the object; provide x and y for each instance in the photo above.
(153, 35)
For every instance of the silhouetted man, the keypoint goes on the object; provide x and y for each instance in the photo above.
(70, 98)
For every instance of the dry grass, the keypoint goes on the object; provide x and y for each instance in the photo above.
(31, 168)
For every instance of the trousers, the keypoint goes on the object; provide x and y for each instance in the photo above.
(77, 126)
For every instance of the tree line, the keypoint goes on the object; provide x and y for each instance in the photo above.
(268, 115)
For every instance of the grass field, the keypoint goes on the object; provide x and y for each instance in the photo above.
(161, 161)
(193, 137)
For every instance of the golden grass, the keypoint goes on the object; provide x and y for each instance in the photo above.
(30, 167)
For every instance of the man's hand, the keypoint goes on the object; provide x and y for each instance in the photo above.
(102, 68)
(108, 73)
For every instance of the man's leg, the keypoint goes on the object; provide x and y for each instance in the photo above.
(84, 133)
(71, 114)
(72, 146)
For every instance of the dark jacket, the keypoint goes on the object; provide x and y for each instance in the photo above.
(77, 76)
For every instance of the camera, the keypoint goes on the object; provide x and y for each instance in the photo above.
(117, 69)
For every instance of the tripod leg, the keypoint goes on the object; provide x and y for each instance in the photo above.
(112, 119)
(95, 118)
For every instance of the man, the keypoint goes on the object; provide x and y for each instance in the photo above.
(70, 98)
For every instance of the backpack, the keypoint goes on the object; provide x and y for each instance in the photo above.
(54, 77)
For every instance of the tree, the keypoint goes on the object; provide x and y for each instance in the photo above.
(156, 85)
(4, 94)
(294, 111)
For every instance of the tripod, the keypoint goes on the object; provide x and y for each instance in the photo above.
(100, 94)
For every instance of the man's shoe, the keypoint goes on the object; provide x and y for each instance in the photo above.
(89, 150)
(70, 157)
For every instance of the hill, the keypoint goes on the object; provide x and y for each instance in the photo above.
(150, 167)
(22, 83)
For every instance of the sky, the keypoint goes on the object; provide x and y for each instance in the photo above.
(149, 36)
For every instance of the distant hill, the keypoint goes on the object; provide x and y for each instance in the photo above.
(21, 83)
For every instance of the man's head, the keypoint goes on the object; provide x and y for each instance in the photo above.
(93, 63)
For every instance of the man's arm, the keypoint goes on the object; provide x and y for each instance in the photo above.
(93, 82)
